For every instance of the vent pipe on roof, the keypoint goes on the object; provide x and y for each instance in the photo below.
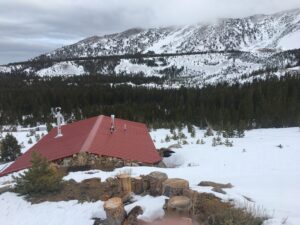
(112, 127)
(60, 120)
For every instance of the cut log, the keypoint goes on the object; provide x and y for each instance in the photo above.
(115, 213)
(155, 181)
(175, 187)
(125, 181)
(137, 185)
(179, 206)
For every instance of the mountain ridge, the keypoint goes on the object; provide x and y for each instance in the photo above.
(265, 41)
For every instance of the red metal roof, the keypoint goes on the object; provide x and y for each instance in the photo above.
(93, 135)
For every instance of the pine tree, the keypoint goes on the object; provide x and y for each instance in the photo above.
(10, 149)
(41, 178)
(208, 132)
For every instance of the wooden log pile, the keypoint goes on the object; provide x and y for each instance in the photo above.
(180, 203)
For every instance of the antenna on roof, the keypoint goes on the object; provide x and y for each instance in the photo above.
(60, 120)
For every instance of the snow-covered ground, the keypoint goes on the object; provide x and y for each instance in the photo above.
(255, 165)
(62, 68)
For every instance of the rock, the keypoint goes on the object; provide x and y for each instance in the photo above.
(67, 162)
(174, 187)
(214, 184)
(155, 182)
(179, 206)
(115, 213)
(119, 163)
(135, 164)
(219, 190)
(91, 181)
(113, 186)
(5, 189)
(161, 164)
(175, 146)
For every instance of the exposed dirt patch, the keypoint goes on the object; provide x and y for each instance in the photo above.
(88, 190)
(210, 210)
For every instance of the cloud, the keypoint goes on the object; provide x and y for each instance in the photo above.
(32, 27)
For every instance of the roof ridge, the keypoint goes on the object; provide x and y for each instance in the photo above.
(90, 138)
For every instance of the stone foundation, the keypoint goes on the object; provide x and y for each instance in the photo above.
(87, 161)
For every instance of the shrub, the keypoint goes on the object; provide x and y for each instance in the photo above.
(167, 139)
(184, 142)
(208, 132)
(10, 149)
(210, 210)
(41, 178)
(181, 135)
(228, 143)
(30, 141)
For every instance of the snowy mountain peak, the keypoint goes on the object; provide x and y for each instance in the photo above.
(250, 33)
(265, 41)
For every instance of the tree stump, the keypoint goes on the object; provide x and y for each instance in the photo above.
(146, 183)
(174, 187)
(137, 185)
(132, 216)
(155, 181)
(115, 213)
(179, 206)
(125, 181)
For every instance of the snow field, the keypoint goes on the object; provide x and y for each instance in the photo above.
(255, 165)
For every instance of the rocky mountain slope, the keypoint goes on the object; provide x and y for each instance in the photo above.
(265, 41)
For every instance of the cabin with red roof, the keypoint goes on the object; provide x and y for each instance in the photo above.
(100, 136)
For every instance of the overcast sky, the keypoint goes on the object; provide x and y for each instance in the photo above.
(31, 27)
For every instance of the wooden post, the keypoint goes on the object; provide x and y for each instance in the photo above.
(125, 182)
(179, 206)
(174, 187)
(115, 213)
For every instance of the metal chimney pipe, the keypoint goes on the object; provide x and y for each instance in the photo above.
(112, 128)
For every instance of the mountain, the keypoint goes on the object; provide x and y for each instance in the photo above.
(264, 43)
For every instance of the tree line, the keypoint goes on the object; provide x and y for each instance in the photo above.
(274, 102)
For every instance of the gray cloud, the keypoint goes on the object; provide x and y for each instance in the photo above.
(32, 27)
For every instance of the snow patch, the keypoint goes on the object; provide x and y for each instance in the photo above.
(62, 69)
